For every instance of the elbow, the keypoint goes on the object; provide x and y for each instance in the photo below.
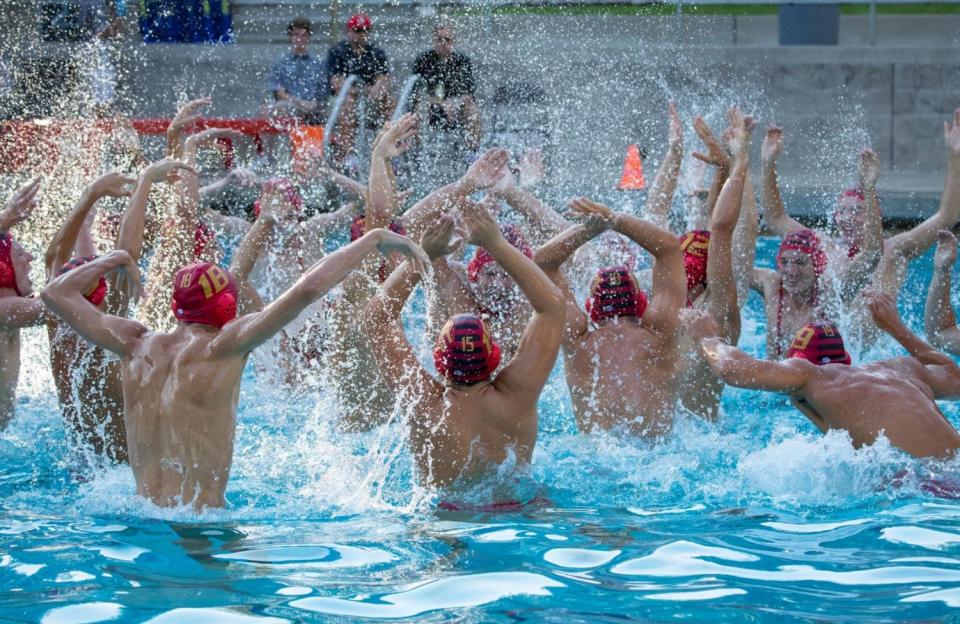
(554, 303)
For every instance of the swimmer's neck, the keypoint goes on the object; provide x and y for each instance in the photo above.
(619, 320)
(452, 385)
(195, 328)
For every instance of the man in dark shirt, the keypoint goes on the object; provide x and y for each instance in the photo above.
(355, 55)
(297, 78)
(450, 86)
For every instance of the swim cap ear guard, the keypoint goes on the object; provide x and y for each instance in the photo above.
(820, 343)
(614, 293)
(96, 293)
(204, 293)
(465, 352)
(8, 276)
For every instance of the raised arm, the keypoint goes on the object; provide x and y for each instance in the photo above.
(738, 369)
(482, 174)
(551, 255)
(396, 138)
(544, 219)
(858, 270)
(130, 236)
(915, 242)
(722, 301)
(61, 247)
(716, 154)
(452, 295)
(669, 277)
(939, 320)
(185, 117)
(883, 308)
(774, 214)
(664, 185)
(64, 297)
(246, 333)
(536, 353)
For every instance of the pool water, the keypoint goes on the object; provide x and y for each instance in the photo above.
(756, 517)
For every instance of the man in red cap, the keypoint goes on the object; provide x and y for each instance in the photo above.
(17, 308)
(181, 388)
(464, 426)
(357, 56)
(622, 356)
(892, 397)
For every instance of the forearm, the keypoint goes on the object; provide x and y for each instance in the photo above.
(915, 345)
(657, 240)
(431, 207)
(332, 269)
(387, 304)
(664, 186)
(774, 213)
(552, 254)
(719, 179)
(381, 194)
(348, 184)
(130, 236)
(535, 211)
(938, 312)
(250, 247)
(61, 247)
(539, 290)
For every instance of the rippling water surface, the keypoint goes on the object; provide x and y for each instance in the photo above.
(757, 517)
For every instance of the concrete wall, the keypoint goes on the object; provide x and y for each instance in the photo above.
(609, 80)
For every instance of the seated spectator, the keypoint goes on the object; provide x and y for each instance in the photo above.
(450, 86)
(355, 55)
(297, 78)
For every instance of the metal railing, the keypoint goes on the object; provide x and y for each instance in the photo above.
(334, 116)
(405, 93)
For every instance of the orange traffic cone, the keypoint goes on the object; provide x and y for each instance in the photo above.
(632, 178)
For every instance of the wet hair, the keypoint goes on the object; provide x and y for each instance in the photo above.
(301, 23)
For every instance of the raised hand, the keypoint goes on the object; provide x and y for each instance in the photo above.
(487, 169)
(587, 208)
(205, 138)
(951, 134)
(396, 138)
(389, 242)
(188, 113)
(716, 154)
(479, 226)
(772, 144)
(869, 168)
(166, 170)
(738, 133)
(21, 205)
(436, 239)
(946, 255)
(883, 309)
(113, 184)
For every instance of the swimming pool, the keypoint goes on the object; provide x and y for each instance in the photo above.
(758, 517)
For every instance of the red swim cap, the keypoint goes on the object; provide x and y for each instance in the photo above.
(359, 21)
(98, 291)
(284, 186)
(204, 293)
(807, 242)
(482, 258)
(8, 276)
(820, 343)
(613, 293)
(695, 246)
(465, 352)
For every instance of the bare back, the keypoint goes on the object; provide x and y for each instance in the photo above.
(89, 389)
(181, 407)
(623, 374)
(462, 434)
(888, 396)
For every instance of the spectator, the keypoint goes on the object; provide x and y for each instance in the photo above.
(298, 79)
(355, 55)
(450, 86)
